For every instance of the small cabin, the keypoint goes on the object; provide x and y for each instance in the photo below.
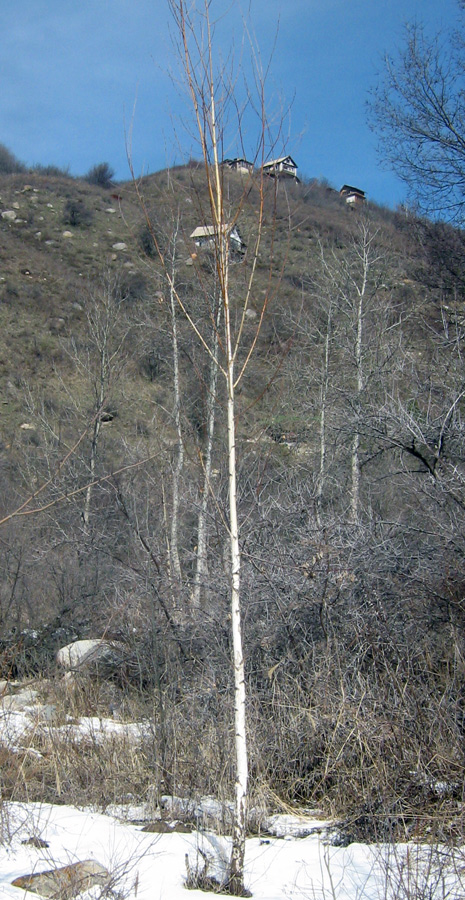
(243, 166)
(352, 195)
(204, 237)
(284, 166)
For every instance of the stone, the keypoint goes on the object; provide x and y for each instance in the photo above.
(36, 842)
(120, 245)
(57, 324)
(9, 215)
(67, 234)
(79, 656)
(65, 882)
(162, 827)
(48, 714)
(18, 701)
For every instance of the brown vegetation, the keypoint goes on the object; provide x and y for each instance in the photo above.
(353, 629)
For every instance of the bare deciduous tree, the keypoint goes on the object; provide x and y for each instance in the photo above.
(210, 84)
(418, 112)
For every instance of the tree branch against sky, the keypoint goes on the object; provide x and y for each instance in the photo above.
(418, 112)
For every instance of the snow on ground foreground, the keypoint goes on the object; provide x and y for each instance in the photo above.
(294, 861)
(152, 867)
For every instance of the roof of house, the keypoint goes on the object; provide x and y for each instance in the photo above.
(349, 189)
(211, 230)
(237, 159)
(206, 231)
(275, 162)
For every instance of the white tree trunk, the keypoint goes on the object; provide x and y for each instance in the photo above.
(358, 359)
(175, 563)
(236, 872)
(323, 403)
(201, 565)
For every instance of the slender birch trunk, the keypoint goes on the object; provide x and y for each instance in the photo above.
(236, 870)
(207, 83)
(92, 465)
(100, 323)
(323, 406)
(175, 563)
(201, 566)
(358, 359)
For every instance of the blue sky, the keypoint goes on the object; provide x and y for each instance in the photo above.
(76, 73)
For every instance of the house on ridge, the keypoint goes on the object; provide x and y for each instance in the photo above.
(352, 195)
(284, 166)
(243, 166)
(204, 238)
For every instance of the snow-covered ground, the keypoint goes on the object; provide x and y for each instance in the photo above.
(146, 866)
(295, 858)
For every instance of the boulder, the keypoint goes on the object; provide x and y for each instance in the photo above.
(94, 654)
(66, 882)
(22, 700)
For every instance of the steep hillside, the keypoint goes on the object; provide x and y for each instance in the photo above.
(351, 469)
(62, 237)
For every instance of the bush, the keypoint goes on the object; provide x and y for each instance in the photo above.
(102, 175)
(76, 213)
(9, 164)
(134, 287)
(146, 241)
(52, 171)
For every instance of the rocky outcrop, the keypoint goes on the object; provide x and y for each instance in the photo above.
(93, 655)
(66, 882)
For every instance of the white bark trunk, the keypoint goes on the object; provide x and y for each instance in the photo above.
(236, 872)
(358, 358)
(324, 394)
(179, 457)
(101, 389)
(201, 567)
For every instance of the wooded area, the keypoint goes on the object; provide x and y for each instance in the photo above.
(293, 416)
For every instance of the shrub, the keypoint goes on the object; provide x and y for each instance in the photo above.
(53, 171)
(76, 213)
(134, 287)
(146, 241)
(102, 174)
(9, 164)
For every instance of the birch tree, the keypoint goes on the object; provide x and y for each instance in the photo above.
(210, 84)
(354, 341)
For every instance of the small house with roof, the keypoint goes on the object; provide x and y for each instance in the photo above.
(285, 166)
(243, 166)
(205, 235)
(352, 195)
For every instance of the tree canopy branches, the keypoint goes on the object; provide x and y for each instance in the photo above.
(418, 111)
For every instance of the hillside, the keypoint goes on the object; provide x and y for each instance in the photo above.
(351, 468)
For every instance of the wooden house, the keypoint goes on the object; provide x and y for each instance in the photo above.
(243, 166)
(352, 195)
(285, 166)
(204, 237)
